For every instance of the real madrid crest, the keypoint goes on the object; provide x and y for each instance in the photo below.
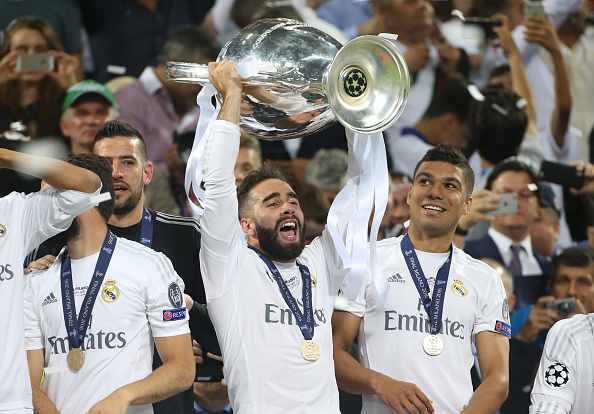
(110, 292)
(2, 230)
(459, 289)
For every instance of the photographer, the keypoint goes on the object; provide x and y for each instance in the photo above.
(572, 277)
(34, 94)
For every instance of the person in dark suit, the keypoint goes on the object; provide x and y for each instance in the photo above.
(508, 239)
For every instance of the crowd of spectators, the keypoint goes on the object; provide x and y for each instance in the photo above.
(511, 96)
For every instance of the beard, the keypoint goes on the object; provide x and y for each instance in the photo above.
(269, 242)
(61, 239)
(121, 208)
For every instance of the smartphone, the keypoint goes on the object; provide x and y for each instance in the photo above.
(508, 204)
(563, 307)
(534, 9)
(562, 174)
(485, 23)
(35, 62)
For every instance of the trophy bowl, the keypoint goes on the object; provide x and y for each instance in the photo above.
(307, 80)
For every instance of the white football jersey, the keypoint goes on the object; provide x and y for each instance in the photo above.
(141, 297)
(564, 382)
(259, 336)
(25, 222)
(390, 338)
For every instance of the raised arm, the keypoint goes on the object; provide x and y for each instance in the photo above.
(542, 31)
(352, 377)
(58, 174)
(493, 355)
(520, 82)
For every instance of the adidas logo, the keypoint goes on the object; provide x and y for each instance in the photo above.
(396, 278)
(49, 299)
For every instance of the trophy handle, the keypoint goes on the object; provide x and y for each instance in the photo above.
(293, 80)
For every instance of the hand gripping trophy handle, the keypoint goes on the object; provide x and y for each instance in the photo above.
(307, 80)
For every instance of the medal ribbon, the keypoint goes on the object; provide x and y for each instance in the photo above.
(77, 328)
(433, 306)
(305, 322)
(146, 228)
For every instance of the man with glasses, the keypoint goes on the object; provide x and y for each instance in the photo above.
(508, 239)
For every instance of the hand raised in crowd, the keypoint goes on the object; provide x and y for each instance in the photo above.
(8, 66)
(449, 57)
(66, 68)
(483, 201)
(417, 57)
(503, 32)
(541, 30)
(588, 170)
(540, 319)
(43, 263)
(401, 396)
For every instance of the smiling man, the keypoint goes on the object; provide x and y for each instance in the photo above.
(271, 300)
(436, 301)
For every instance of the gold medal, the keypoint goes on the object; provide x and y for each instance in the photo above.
(432, 345)
(75, 359)
(310, 350)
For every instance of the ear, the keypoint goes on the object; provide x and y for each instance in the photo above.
(449, 119)
(147, 173)
(467, 205)
(511, 302)
(63, 127)
(249, 227)
(409, 195)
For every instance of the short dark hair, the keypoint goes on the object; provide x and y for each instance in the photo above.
(499, 70)
(452, 97)
(580, 256)
(497, 125)
(100, 166)
(452, 155)
(266, 171)
(516, 166)
(115, 128)
(190, 44)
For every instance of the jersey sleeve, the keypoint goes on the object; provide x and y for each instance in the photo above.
(221, 241)
(556, 381)
(494, 309)
(50, 211)
(165, 301)
(33, 333)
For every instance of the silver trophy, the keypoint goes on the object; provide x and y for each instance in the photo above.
(307, 80)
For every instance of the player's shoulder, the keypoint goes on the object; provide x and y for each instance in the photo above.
(177, 223)
(131, 251)
(478, 267)
(387, 245)
(574, 328)
(37, 279)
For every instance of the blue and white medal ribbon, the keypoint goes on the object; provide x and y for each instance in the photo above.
(77, 327)
(309, 349)
(432, 344)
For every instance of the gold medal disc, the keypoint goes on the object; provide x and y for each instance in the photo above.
(75, 359)
(310, 350)
(432, 345)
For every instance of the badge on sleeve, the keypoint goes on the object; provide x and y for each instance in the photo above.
(175, 295)
(557, 375)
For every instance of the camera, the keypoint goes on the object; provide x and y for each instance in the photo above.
(486, 23)
(563, 307)
(35, 62)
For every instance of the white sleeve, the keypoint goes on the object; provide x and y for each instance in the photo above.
(494, 313)
(221, 241)
(556, 381)
(33, 333)
(50, 211)
(164, 298)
